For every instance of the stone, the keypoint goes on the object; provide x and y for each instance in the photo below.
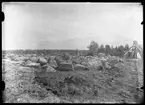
(65, 101)
(114, 61)
(52, 57)
(50, 69)
(65, 67)
(100, 68)
(32, 64)
(69, 61)
(120, 66)
(34, 59)
(103, 59)
(42, 61)
(45, 66)
(52, 99)
(86, 64)
(101, 55)
(47, 58)
(58, 60)
(20, 62)
(107, 66)
(95, 63)
(89, 57)
(76, 61)
(80, 67)
(22, 58)
(53, 63)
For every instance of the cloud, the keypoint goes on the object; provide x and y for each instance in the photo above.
(71, 25)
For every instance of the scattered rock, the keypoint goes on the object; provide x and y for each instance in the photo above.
(101, 55)
(22, 58)
(50, 69)
(58, 60)
(80, 67)
(22, 100)
(86, 64)
(53, 63)
(42, 61)
(107, 66)
(34, 59)
(52, 57)
(76, 101)
(113, 61)
(76, 60)
(53, 99)
(95, 63)
(32, 64)
(65, 67)
(66, 56)
(103, 59)
(65, 101)
(20, 62)
(44, 66)
(100, 68)
(119, 65)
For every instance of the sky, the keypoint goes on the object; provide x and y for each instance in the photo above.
(70, 25)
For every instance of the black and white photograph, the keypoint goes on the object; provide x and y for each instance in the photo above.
(72, 52)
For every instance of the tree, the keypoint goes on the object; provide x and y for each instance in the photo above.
(108, 49)
(102, 49)
(93, 48)
(77, 52)
(116, 51)
(121, 50)
(112, 50)
(126, 48)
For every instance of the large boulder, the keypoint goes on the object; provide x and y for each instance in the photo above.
(80, 67)
(47, 58)
(53, 63)
(76, 60)
(113, 61)
(44, 66)
(101, 55)
(58, 60)
(69, 61)
(65, 67)
(95, 63)
(66, 56)
(103, 59)
(34, 59)
(50, 69)
(86, 64)
(119, 65)
(42, 61)
(52, 57)
(107, 65)
(22, 58)
(31, 64)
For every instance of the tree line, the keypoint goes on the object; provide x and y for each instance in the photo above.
(94, 49)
